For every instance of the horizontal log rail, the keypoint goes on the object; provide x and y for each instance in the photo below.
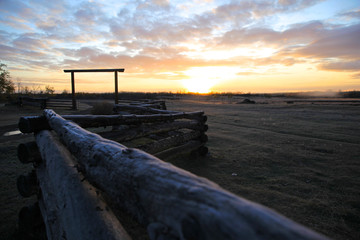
(145, 109)
(172, 141)
(37, 102)
(60, 103)
(34, 123)
(157, 104)
(149, 129)
(45, 102)
(171, 202)
(192, 147)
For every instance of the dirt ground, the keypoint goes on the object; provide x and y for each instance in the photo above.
(300, 159)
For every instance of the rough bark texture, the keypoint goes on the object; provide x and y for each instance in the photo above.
(71, 208)
(173, 203)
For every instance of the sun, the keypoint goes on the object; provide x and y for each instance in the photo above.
(203, 79)
(197, 85)
(200, 80)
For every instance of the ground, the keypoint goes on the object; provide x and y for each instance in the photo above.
(300, 159)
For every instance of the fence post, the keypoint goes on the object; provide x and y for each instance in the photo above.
(73, 90)
(116, 87)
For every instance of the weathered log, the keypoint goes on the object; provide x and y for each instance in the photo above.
(157, 102)
(27, 185)
(145, 130)
(147, 105)
(71, 207)
(160, 103)
(28, 152)
(169, 142)
(35, 124)
(172, 202)
(175, 152)
(143, 109)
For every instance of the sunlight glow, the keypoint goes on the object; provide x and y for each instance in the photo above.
(202, 79)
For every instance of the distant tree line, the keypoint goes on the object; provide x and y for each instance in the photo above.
(7, 87)
(7, 90)
(350, 94)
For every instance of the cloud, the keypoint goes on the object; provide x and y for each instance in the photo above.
(296, 34)
(341, 42)
(356, 76)
(30, 42)
(354, 14)
(348, 66)
(295, 5)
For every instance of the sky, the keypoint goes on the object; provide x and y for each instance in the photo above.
(198, 46)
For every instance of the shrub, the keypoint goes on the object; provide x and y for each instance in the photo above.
(103, 108)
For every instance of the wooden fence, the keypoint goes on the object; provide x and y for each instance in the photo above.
(170, 202)
(31, 101)
(46, 102)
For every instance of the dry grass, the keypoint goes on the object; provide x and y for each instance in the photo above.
(301, 160)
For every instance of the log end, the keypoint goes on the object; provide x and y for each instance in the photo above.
(28, 153)
(203, 138)
(205, 128)
(24, 125)
(27, 184)
(204, 118)
(31, 223)
(32, 124)
(203, 150)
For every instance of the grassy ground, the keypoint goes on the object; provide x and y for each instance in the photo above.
(301, 160)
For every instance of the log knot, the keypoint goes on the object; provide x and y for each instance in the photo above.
(160, 231)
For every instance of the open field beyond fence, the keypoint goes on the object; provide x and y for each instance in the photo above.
(302, 160)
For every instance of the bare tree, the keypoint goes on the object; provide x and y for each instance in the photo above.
(49, 90)
(6, 85)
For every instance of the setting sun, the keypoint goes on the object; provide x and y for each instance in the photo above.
(197, 85)
(202, 79)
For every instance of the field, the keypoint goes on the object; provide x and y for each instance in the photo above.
(300, 159)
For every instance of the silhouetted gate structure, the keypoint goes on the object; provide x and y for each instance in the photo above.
(73, 71)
